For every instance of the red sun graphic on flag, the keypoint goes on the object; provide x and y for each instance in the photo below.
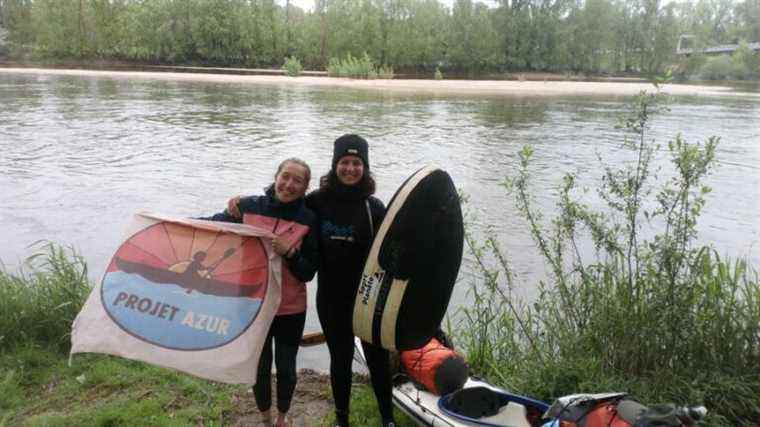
(212, 263)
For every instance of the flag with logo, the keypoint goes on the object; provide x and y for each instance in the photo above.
(196, 296)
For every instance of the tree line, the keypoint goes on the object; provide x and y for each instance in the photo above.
(587, 36)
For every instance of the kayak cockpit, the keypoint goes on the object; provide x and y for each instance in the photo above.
(488, 407)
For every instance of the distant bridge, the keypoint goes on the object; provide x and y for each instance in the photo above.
(712, 50)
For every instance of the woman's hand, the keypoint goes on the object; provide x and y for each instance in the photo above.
(281, 247)
(233, 207)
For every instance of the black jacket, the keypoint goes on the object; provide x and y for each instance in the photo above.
(345, 238)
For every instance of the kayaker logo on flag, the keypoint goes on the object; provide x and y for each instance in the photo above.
(197, 296)
(185, 288)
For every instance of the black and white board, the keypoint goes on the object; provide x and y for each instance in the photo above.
(413, 264)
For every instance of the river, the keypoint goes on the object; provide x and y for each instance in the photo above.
(81, 153)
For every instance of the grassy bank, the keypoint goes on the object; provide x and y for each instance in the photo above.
(38, 386)
(656, 314)
(39, 389)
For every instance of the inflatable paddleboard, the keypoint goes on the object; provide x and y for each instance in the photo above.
(413, 264)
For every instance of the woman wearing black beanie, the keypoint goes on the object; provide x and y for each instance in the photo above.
(348, 216)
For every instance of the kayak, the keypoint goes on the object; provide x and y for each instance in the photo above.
(478, 403)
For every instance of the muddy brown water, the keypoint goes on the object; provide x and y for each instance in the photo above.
(79, 154)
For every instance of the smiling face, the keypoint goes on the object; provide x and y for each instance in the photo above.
(350, 170)
(291, 182)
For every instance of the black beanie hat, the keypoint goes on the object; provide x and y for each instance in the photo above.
(351, 145)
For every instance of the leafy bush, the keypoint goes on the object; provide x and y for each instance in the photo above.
(292, 66)
(746, 62)
(362, 67)
(3, 41)
(385, 72)
(689, 67)
(41, 305)
(662, 317)
(720, 68)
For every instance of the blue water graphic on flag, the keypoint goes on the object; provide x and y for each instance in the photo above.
(168, 316)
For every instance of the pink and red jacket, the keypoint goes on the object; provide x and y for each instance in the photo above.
(292, 220)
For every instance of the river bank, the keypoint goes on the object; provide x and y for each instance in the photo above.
(99, 389)
(75, 142)
(519, 88)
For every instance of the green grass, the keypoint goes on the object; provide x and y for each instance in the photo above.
(38, 304)
(364, 410)
(40, 389)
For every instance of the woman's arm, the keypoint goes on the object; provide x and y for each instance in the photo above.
(241, 205)
(223, 216)
(377, 209)
(305, 261)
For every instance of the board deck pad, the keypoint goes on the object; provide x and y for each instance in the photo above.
(413, 264)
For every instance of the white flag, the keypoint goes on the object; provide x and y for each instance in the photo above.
(196, 296)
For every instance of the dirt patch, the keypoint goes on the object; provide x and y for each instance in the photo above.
(312, 402)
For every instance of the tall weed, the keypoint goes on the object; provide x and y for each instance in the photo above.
(39, 303)
(663, 317)
(363, 67)
(292, 66)
(10, 391)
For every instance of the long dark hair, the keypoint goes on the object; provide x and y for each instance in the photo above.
(329, 182)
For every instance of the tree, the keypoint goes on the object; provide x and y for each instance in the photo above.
(473, 41)
(748, 17)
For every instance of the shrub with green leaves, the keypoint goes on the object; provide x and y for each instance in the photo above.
(362, 67)
(385, 72)
(746, 62)
(3, 38)
(39, 305)
(721, 67)
(292, 66)
(662, 317)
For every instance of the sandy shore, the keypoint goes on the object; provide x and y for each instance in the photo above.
(432, 87)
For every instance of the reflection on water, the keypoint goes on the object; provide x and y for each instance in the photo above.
(81, 154)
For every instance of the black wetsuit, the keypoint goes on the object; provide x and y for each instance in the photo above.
(345, 238)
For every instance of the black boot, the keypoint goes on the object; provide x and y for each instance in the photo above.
(341, 419)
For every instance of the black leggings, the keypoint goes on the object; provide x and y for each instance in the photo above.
(336, 318)
(286, 331)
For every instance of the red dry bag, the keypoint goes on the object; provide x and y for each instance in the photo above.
(436, 367)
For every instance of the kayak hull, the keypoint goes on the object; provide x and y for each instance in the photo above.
(428, 409)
